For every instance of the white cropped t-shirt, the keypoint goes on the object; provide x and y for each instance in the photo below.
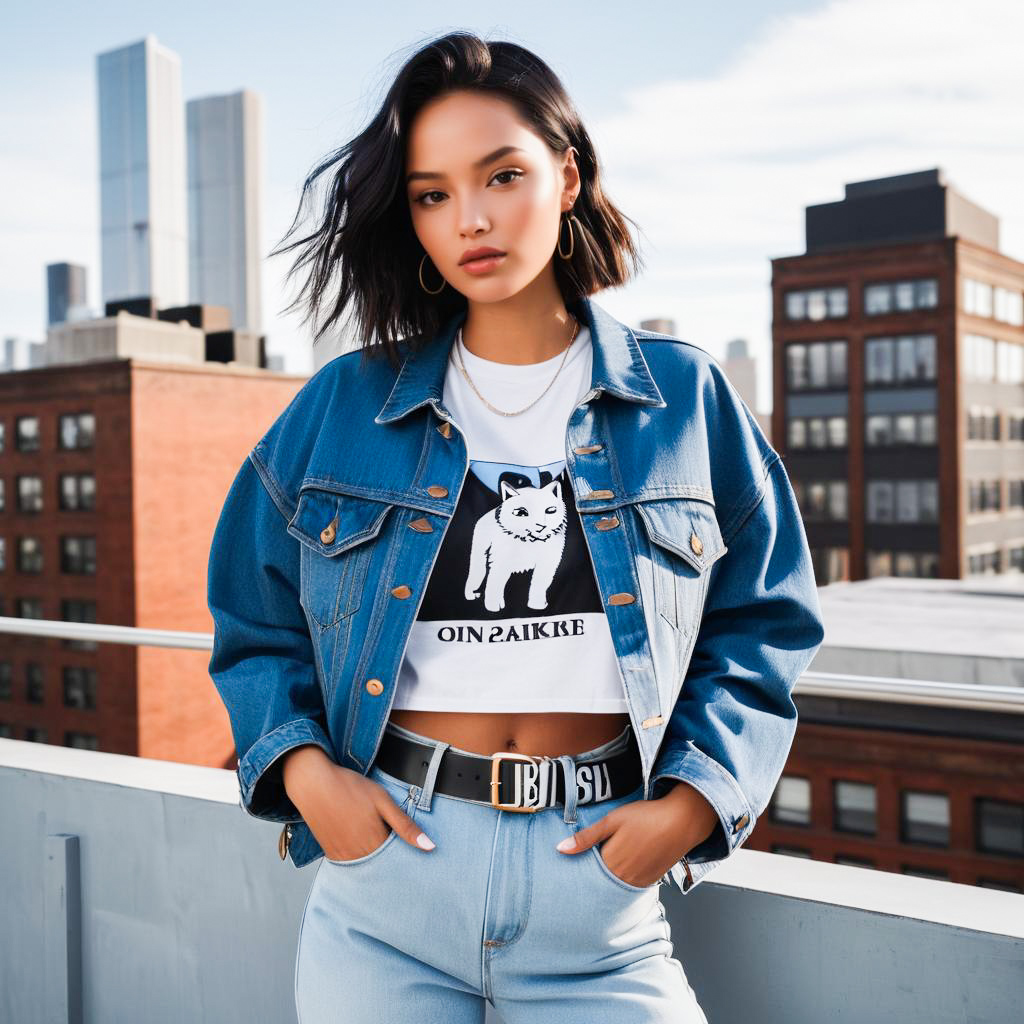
(512, 619)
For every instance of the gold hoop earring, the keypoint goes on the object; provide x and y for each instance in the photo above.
(572, 239)
(424, 287)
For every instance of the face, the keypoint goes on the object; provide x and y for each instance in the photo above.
(480, 178)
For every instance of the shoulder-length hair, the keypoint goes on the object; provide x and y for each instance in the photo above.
(365, 237)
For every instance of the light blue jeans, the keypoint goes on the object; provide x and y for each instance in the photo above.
(494, 913)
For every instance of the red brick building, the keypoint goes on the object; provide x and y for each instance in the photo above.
(113, 473)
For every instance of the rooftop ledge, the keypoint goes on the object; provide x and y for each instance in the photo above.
(140, 889)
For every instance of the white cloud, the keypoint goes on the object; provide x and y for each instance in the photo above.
(717, 172)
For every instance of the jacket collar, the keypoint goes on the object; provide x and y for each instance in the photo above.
(618, 365)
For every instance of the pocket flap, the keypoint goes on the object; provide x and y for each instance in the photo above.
(687, 527)
(331, 523)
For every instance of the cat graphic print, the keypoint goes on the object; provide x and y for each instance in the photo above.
(525, 533)
(515, 545)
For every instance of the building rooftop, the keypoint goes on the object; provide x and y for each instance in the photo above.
(968, 630)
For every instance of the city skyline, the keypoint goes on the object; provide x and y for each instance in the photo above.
(778, 113)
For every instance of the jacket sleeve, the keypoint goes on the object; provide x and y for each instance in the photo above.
(733, 725)
(262, 662)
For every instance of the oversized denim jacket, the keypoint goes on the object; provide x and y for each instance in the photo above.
(707, 579)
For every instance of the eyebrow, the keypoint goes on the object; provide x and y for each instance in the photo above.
(482, 162)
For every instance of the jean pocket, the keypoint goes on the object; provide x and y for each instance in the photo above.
(401, 793)
(586, 815)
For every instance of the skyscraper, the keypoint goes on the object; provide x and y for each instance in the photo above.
(144, 226)
(225, 185)
(65, 291)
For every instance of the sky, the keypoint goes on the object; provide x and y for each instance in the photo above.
(715, 128)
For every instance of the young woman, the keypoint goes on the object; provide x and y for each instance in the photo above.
(458, 584)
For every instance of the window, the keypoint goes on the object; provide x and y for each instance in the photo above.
(3, 552)
(34, 683)
(902, 501)
(998, 883)
(919, 872)
(855, 807)
(791, 804)
(999, 826)
(1009, 306)
(73, 610)
(6, 731)
(26, 433)
(921, 564)
(35, 734)
(830, 564)
(816, 303)
(1009, 362)
(984, 561)
(3, 439)
(30, 555)
(854, 862)
(30, 494)
(979, 357)
(982, 423)
(912, 428)
(6, 675)
(791, 851)
(3, 494)
(816, 364)
(29, 607)
(78, 555)
(83, 740)
(822, 499)
(77, 491)
(977, 297)
(77, 430)
(79, 687)
(925, 818)
(901, 296)
(906, 358)
(983, 496)
(817, 432)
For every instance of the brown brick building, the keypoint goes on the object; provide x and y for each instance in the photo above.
(898, 357)
(113, 473)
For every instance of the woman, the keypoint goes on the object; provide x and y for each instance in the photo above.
(456, 589)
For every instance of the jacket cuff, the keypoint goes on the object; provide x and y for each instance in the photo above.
(260, 775)
(735, 818)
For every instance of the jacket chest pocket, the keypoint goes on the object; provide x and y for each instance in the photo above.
(335, 531)
(685, 541)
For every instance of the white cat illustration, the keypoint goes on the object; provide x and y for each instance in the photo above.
(525, 533)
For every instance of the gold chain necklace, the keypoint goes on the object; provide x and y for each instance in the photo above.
(501, 412)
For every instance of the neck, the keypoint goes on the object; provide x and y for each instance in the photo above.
(518, 330)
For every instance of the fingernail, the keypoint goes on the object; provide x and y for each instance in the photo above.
(424, 841)
(566, 844)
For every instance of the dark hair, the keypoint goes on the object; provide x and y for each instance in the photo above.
(366, 233)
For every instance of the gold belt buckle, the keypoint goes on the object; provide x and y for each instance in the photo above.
(496, 760)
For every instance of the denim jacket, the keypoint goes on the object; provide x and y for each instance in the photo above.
(329, 532)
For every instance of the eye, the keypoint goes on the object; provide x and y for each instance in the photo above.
(435, 192)
(517, 174)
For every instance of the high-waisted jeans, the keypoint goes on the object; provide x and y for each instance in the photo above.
(494, 913)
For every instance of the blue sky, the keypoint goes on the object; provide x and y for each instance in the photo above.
(715, 127)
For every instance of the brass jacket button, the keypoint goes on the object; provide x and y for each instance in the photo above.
(375, 686)
(741, 823)
(695, 543)
(445, 430)
(621, 599)
(400, 591)
(606, 523)
(421, 525)
(588, 449)
(330, 531)
(437, 491)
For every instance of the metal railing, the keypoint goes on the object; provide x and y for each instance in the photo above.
(811, 684)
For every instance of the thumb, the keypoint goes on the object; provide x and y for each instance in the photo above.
(406, 828)
(585, 838)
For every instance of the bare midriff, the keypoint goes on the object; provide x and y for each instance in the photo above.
(542, 734)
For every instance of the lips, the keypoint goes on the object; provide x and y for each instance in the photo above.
(472, 255)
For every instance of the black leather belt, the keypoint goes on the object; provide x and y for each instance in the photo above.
(511, 781)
